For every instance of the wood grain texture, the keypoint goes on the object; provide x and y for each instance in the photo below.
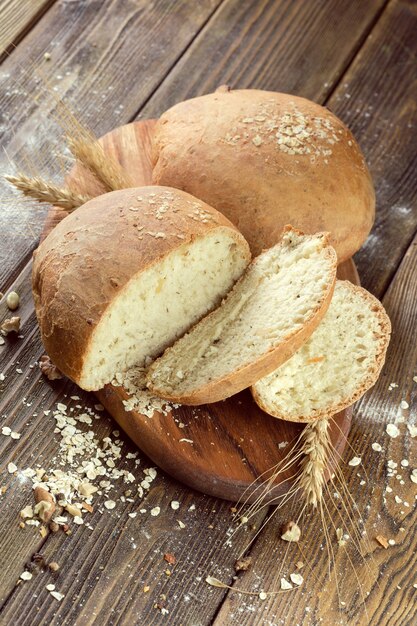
(387, 575)
(17, 18)
(99, 575)
(264, 45)
(377, 99)
(107, 58)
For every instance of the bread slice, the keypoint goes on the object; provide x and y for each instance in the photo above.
(334, 368)
(268, 315)
(125, 275)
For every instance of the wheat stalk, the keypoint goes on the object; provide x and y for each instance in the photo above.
(46, 192)
(90, 153)
(315, 447)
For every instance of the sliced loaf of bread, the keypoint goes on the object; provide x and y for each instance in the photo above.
(334, 368)
(269, 314)
(126, 274)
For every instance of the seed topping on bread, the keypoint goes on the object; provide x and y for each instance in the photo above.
(293, 131)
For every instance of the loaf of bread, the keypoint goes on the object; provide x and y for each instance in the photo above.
(267, 159)
(122, 277)
(269, 314)
(333, 369)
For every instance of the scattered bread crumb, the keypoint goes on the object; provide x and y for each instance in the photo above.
(10, 325)
(170, 558)
(48, 368)
(243, 564)
(291, 532)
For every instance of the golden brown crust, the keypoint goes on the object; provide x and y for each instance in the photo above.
(244, 377)
(91, 255)
(225, 149)
(370, 380)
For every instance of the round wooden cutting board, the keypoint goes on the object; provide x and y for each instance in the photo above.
(224, 449)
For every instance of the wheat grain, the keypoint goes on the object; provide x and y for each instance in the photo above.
(90, 153)
(46, 192)
(315, 446)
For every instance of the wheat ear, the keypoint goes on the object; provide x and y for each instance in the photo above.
(43, 191)
(315, 447)
(90, 153)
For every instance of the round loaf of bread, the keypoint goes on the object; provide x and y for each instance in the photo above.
(267, 159)
(126, 274)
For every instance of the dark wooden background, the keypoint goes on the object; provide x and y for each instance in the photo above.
(114, 61)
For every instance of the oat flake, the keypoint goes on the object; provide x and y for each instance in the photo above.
(392, 430)
(297, 579)
(412, 430)
(58, 596)
(285, 585)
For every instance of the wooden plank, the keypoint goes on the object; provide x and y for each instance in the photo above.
(103, 74)
(17, 18)
(103, 572)
(295, 47)
(378, 100)
(388, 575)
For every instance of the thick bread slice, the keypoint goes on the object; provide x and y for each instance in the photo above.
(268, 315)
(125, 275)
(340, 361)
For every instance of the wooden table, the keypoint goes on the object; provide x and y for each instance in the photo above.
(114, 62)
